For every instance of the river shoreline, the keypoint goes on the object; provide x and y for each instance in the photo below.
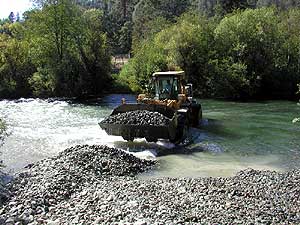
(99, 185)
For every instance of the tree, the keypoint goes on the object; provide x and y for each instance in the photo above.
(252, 38)
(189, 44)
(125, 38)
(15, 64)
(70, 50)
(94, 52)
(183, 45)
(290, 54)
(144, 12)
(50, 31)
(231, 5)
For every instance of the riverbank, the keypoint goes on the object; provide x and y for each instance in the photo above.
(98, 185)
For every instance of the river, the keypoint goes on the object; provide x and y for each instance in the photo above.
(233, 136)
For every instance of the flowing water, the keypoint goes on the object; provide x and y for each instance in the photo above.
(233, 136)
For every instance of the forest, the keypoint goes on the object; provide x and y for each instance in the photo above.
(229, 49)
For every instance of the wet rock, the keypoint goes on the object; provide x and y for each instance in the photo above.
(138, 117)
(72, 188)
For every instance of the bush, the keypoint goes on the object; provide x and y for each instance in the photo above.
(189, 44)
(42, 83)
(247, 54)
(120, 85)
(149, 58)
(229, 78)
(184, 45)
(251, 38)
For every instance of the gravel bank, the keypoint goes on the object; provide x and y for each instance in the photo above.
(138, 117)
(97, 185)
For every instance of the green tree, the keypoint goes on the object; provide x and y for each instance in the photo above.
(69, 50)
(189, 45)
(252, 38)
(94, 53)
(147, 11)
(290, 29)
(149, 57)
(15, 63)
(230, 5)
(144, 12)
(186, 45)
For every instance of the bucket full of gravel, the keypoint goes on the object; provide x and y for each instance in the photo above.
(151, 125)
(138, 117)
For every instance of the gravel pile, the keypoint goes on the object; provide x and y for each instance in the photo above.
(46, 184)
(138, 117)
(74, 188)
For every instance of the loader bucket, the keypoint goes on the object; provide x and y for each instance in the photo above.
(162, 109)
(150, 132)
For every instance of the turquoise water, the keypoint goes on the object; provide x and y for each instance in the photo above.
(233, 136)
(237, 136)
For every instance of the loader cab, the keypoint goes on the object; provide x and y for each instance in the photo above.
(167, 85)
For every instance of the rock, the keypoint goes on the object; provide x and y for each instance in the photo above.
(110, 198)
(10, 220)
(53, 222)
(72, 188)
(138, 117)
(140, 222)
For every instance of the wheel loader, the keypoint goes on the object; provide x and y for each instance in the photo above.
(169, 95)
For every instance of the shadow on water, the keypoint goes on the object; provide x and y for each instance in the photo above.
(217, 128)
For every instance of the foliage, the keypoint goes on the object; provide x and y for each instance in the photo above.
(15, 63)
(213, 7)
(228, 48)
(149, 58)
(251, 38)
(229, 78)
(59, 50)
(151, 16)
(189, 45)
(183, 45)
(120, 85)
(247, 54)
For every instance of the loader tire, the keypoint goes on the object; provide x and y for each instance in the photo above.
(128, 138)
(182, 130)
